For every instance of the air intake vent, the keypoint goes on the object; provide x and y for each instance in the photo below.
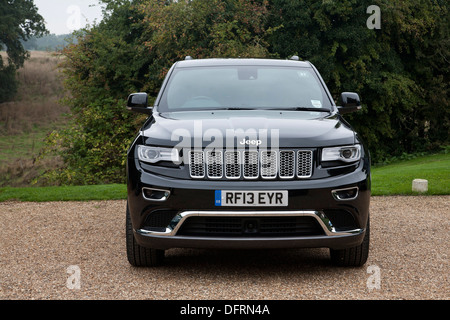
(250, 226)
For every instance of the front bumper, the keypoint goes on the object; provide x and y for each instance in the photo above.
(169, 238)
(186, 199)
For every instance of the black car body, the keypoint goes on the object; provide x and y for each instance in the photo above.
(247, 153)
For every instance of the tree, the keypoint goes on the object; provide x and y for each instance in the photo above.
(131, 50)
(101, 66)
(19, 20)
(400, 70)
(202, 29)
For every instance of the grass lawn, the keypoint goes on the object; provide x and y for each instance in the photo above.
(392, 179)
(25, 145)
(65, 193)
(396, 178)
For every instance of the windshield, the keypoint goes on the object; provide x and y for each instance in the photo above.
(244, 87)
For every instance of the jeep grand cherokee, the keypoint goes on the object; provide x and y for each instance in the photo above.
(246, 153)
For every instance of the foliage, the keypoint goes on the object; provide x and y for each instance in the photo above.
(401, 70)
(101, 66)
(129, 51)
(201, 29)
(8, 83)
(19, 20)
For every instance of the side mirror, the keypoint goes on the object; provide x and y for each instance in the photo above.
(350, 102)
(138, 102)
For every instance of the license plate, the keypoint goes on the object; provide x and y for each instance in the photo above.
(225, 198)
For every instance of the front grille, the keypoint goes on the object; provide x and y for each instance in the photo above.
(250, 227)
(251, 164)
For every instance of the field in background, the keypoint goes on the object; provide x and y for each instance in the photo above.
(25, 122)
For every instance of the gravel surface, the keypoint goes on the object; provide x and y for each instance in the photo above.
(42, 243)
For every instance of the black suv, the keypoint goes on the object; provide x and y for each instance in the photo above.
(247, 153)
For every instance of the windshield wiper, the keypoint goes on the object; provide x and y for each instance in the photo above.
(283, 108)
(262, 108)
(216, 109)
(305, 109)
(239, 108)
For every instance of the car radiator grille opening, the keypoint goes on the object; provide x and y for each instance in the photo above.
(250, 227)
(251, 165)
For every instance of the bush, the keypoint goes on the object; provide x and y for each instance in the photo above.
(8, 83)
(130, 51)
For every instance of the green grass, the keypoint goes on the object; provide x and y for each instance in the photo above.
(396, 178)
(24, 145)
(65, 193)
(392, 179)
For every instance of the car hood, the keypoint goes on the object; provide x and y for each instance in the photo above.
(288, 129)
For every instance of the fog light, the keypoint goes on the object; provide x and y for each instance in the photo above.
(155, 194)
(345, 194)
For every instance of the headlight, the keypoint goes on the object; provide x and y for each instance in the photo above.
(346, 154)
(156, 154)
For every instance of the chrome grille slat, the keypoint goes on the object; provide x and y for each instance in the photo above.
(196, 164)
(251, 164)
(214, 164)
(269, 164)
(304, 164)
(232, 164)
(287, 164)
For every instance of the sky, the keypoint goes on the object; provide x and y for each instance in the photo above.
(65, 16)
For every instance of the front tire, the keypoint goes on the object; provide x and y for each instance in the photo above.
(137, 255)
(355, 256)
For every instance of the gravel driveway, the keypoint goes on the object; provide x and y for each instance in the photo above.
(44, 245)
